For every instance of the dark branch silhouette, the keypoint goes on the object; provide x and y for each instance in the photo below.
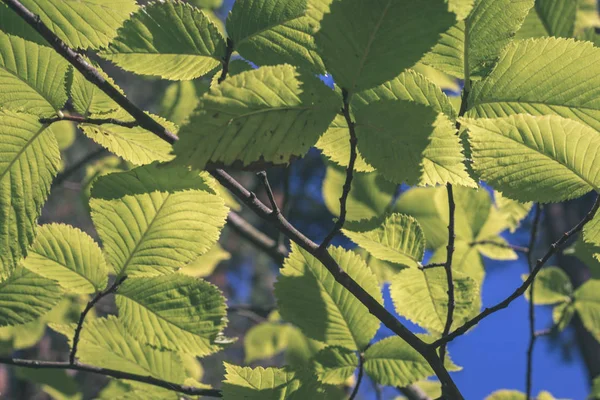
(448, 267)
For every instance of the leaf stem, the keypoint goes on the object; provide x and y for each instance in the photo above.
(361, 362)
(99, 296)
(554, 248)
(531, 311)
(226, 61)
(339, 224)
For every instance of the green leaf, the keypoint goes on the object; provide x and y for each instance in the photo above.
(266, 340)
(393, 362)
(471, 47)
(268, 114)
(506, 395)
(399, 239)
(271, 32)
(552, 285)
(538, 77)
(587, 304)
(550, 18)
(587, 253)
(365, 44)
(422, 297)
(205, 265)
(104, 342)
(268, 384)
(136, 145)
(88, 99)
(57, 383)
(175, 312)
(155, 219)
(369, 196)
(409, 86)
(12, 24)
(421, 204)
(562, 315)
(32, 77)
(596, 388)
(24, 296)
(70, 257)
(383, 270)
(544, 159)
(512, 211)
(591, 232)
(30, 160)
(308, 296)
(172, 40)
(83, 23)
(180, 100)
(334, 365)
(461, 8)
(466, 259)
(471, 213)
(427, 151)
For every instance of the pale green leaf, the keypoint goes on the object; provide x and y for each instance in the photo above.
(587, 304)
(461, 8)
(507, 395)
(421, 145)
(271, 32)
(170, 39)
(587, 253)
(131, 390)
(539, 77)
(83, 23)
(29, 160)
(443, 80)
(421, 204)
(65, 133)
(471, 47)
(301, 349)
(369, 196)
(136, 145)
(471, 212)
(550, 18)
(268, 384)
(562, 315)
(466, 259)
(422, 297)
(70, 257)
(365, 44)
(24, 296)
(334, 365)
(32, 77)
(512, 211)
(393, 362)
(552, 285)
(207, 3)
(591, 232)
(543, 159)
(383, 270)
(88, 99)
(308, 295)
(180, 100)
(205, 265)
(175, 312)
(268, 114)
(104, 342)
(12, 24)
(496, 248)
(266, 340)
(155, 219)
(399, 239)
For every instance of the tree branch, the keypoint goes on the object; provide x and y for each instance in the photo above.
(361, 371)
(112, 289)
(262, 175)
(339, 224)
(448, 268)
(94, 121)
(146, 122)
(532, 333)
(36, 364)
(226, 61)
(523, 288)
(261, 241)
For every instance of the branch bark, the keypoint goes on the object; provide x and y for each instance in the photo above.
(448, 267)
(554, 248)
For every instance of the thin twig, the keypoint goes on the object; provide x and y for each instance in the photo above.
(148, 123)
(339, 224)
(276, 251)
(66, 174)
(262, 175)
(432, 265)
(93, 121)
(532, 335)
(518, 249)
(448, 267)
(523, 288)
(99, 296)
(37, 364)
(361, 371)
(226, 61)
